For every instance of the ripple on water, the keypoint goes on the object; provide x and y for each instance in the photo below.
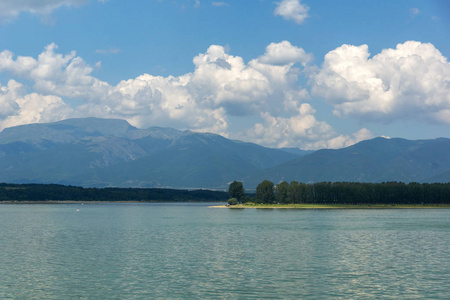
(189, 251)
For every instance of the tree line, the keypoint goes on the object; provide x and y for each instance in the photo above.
(343, 193)
(56, 192)
(266, 192)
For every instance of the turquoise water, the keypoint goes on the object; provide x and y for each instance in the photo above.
(190, 251)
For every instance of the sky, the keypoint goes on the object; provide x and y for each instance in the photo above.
(309, 74)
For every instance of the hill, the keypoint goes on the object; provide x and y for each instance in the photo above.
(108, 152)
(93, 152)
(375, 160)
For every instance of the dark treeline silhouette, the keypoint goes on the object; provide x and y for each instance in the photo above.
(56, 192)
(353, 193)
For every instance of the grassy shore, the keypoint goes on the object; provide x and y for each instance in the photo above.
(336, 206)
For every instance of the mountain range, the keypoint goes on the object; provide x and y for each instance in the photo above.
(375, 160)
(108, 152)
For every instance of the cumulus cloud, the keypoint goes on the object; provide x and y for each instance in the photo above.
(301, 129)
(410, 81)
(341, 141)
(292, 10)
(17, 108)
(286, 131)
(167, 101)
(224, 80)
(8, 96)
(285, 53)
(63, 75)
(221, 86)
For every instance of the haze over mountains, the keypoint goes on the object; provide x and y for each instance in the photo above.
(375, 160)
(109, 152)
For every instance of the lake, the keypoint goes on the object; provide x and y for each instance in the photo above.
(190, 251)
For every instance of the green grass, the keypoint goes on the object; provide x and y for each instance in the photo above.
(339, 206)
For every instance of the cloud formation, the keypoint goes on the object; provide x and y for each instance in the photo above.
(10, 9)
(292, 10)
(414, 12)
(221, 86)
(53, 73)
(17, 107)
(304, 127)
(285, 54)
(410, 81)
(216, 3)
(108, 51)
(284, 131)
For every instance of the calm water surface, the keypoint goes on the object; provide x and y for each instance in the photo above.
(190, 251)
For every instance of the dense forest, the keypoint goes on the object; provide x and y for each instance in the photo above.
(266, 192)
(344, 193)
(56, 192)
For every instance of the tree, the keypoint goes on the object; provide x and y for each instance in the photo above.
(281, 192)
(294, 192)
(264, 192)
(232, 201)
(236, 190)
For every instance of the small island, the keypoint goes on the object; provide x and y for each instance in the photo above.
(341, 195)
(333, 206)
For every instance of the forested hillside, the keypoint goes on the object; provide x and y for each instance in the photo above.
(95, 152)
(377, 160)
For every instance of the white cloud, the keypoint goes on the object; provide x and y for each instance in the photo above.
(414, 11)
(341, 141)
(284, 53)
(108, 51)
(292, 10)
(220, 86)
(220, 4)
(36, 108)
(410, 81)
(166, 101)
(17, 108)
(286, 131)
(8, 96)
(221, 79)
(300, 130)
(63, 75)
(10, 9)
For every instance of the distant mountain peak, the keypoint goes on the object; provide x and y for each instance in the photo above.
(374, 160)
(111, 152)
(115, 127)
(66, 130)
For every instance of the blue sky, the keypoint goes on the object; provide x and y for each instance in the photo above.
(287, 73)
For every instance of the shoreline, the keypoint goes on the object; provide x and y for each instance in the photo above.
(242, 206)
(335, 206)
(66, 202)
(93, 202)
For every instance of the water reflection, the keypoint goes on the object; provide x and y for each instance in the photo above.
(190, 251)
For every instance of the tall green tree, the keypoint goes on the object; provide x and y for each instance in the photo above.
(236, 190)
(281, 192)
(264, 192)
(294, 192)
